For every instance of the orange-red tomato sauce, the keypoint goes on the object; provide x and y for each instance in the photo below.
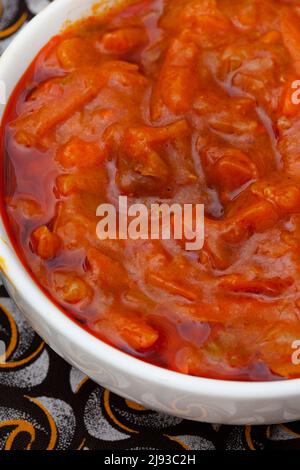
(187, 101)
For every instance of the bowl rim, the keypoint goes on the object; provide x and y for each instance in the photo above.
(14, 270)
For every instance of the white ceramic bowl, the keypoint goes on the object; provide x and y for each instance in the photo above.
(189, 397)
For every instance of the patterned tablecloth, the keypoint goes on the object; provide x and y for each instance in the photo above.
(47, 404)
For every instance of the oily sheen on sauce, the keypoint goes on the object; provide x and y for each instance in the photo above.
(186, 101)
